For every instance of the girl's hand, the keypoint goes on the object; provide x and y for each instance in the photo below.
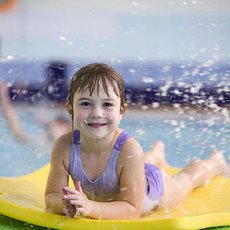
(77, 199)
(69, 209)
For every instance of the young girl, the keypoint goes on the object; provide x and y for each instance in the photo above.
(113, 178)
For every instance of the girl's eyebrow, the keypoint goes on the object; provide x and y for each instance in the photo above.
(108, 99)
(90, 98)
(84, 98)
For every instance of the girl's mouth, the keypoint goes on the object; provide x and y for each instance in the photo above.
(96, 125)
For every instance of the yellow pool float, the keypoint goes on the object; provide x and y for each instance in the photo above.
(22, 198)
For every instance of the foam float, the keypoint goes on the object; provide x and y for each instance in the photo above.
(22, 198)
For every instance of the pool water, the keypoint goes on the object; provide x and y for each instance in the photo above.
(187, 134)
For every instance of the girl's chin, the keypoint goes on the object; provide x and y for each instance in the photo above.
(96, 133)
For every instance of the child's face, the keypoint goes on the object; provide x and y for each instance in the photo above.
(97, 115)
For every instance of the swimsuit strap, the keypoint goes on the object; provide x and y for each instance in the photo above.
(120, 141)
(76, 137)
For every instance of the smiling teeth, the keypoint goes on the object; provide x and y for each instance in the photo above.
(85, 122)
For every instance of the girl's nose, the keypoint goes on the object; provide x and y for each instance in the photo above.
(96, 112)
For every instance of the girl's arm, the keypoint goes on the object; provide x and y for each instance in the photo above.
(58, 177)
(130, 199)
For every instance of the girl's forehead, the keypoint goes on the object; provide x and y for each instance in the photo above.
(98, 92)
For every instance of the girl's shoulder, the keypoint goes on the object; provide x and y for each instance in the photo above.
(131, 148)
(131, 142)
(64, 139)
(132, 145)
(62, 144)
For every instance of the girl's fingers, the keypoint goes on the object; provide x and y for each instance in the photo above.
(78, 186)
(64, 191)
(76, 198)
(71, 197)
(77, 203)
(67, 213)
(70, 190)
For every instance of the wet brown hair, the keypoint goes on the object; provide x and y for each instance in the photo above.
(90, 76)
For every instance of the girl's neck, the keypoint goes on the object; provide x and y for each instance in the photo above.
(98, 146)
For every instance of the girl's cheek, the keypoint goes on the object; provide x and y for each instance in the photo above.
(78, 119)
(80, 115)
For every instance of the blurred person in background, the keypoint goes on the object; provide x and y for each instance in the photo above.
(53, 128)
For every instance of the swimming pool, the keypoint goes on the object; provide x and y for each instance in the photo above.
(187, 134)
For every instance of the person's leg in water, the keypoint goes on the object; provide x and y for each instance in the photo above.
(156, 155)
(194, 175)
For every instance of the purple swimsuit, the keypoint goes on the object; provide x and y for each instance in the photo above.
(106, 186)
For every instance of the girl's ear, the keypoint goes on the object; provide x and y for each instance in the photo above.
(124, 108)
(70, 110)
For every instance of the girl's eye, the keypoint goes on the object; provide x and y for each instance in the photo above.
(85, 104)
(108, 104)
